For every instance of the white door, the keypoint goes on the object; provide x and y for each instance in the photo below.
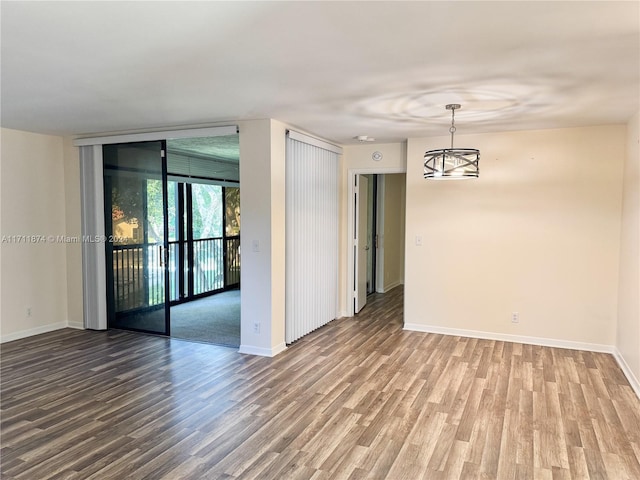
(362, 246)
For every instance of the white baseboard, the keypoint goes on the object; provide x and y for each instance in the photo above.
(32, 331)
(390, 286)
(505, 337)
(76, 325)
(545, 342)
(263, 352)
(633, 381)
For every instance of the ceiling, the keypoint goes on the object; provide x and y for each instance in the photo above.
(335, 69)
(214, 158)
(222, 149)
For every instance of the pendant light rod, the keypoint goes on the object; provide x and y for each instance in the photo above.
(453, 107)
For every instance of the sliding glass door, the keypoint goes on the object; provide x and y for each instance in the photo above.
(137, 236)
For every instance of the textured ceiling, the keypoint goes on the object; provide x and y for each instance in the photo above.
(224, 148)
(335, 69)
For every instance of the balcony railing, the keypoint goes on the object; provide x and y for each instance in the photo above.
(139, 271)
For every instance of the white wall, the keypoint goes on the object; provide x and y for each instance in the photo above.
(538, 233)
(262, 206)
(393, 241)
(628, 335)
(34, 273)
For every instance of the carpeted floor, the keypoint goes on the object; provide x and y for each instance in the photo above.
(214, 319)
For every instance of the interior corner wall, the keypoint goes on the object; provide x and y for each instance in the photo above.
(34, 265)
(538, 233)
(628, 333)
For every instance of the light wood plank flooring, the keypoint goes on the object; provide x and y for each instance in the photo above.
(359, 398)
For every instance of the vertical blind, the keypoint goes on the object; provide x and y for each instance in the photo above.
(311, 235)
(92, 224)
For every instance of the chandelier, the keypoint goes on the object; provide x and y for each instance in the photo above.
(451, 163)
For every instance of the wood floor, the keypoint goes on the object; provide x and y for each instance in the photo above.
(359, 398)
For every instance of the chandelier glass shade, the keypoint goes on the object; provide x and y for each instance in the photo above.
(452, 163)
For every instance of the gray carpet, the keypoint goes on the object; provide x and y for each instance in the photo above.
(214, 319)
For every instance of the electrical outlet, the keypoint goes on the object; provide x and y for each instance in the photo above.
(29, 311)
(256, 327)
(515, 317)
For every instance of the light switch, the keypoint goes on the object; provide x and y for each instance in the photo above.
(418, 240)
(255, 245)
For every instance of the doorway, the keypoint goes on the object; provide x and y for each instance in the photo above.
(366, 238)
(173, 214)
(372, 232)
(377, 253)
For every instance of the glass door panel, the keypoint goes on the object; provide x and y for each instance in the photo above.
(206, 223)
(138, 257)
(232, 236)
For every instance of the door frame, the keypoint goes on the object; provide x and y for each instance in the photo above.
(351, 217)
(361, 205)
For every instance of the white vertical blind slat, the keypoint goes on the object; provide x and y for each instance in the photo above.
(312, 238)
(94, 280)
